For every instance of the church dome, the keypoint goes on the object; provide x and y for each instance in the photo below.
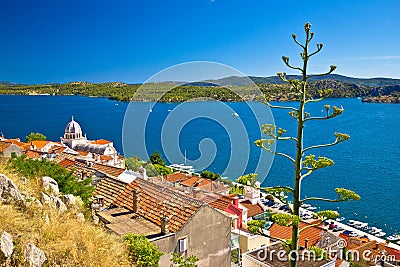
(73, 127)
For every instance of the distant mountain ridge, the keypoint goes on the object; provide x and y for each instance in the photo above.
(240, 81)
(9, 83)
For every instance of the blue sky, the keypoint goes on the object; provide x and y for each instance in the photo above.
(61, 41)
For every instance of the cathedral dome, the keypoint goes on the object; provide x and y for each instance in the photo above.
(73, 127)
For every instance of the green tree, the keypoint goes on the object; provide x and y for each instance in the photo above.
(304, 164)
(67, 182)
(34, 136)
(156, 158)
(133, 163)
(142, 252)
(210, 175)
(151, 170)
(181, 261)
(248, 179)
(319, 252)
(162, 170)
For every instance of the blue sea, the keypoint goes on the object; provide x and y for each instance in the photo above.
(219, 137)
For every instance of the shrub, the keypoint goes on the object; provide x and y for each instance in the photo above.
(142, 252)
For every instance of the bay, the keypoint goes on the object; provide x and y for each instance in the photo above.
(368, 163)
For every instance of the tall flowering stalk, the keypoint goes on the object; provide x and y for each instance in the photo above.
(304, 162)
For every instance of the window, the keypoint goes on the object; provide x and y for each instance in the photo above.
(183, 244)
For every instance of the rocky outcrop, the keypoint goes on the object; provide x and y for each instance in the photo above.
(32, 202)
(69, 200)
(49, 185)
(95, 219)
(8, 190)
(6, 245)
(34, 256)
(80, 217)
(53, 202)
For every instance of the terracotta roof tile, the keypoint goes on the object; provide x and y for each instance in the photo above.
(176, 177)
(16, 142)
(313, 234)
(63, 156)
(101, 142)
(32, 154)
(39, 143)
(156, 201)
(4, 145)
(108, 170)
(66, 163)
(105, 157)
(252, 209)
(196, 181)
(109, 189)
(82, 153)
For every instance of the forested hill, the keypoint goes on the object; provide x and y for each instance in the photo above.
(212, 89)
(239, 81)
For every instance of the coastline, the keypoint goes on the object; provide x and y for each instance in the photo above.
(371, 100)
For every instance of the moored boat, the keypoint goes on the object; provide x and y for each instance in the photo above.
(340, 219)
(393, 237)
(380, 234)
(353, 222)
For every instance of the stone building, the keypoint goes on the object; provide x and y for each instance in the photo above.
(174, 222)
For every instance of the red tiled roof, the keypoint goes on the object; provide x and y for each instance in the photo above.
(313, 234)
(4, 145)
(252, 209)
(82, 153)
(109, 189)
(176, 177)
(39, 143)
(196, 181)
(353, 242)
(57, 149)
(32, 154)
(66, 163)
(101, 142)
(108, 170)
(156, 201)
(105, 157)
(15, 142)
(63, 156)
(338, 262)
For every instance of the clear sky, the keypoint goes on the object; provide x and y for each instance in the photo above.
(68, 40)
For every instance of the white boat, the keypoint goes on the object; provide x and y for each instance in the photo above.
(375, 230)
(380, 234)
(393, 237)
(340, 219)
(357, 224)
(305, 205)
(352, 222)
(235, 114)
(362, 225)
(311, 208)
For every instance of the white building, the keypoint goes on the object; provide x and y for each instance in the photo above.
(99, 151)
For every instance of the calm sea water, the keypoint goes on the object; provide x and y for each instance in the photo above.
(368, 163)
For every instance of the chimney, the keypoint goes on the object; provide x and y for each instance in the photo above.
(235, 201)
(164, 225)
(306, 243)
(136, 198)
(142, 171)
(196, 192)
